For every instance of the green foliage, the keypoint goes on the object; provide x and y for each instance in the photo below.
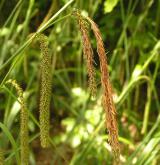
(109, 5)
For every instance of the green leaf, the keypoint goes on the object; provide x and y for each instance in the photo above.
(109, 5)
(11, 139)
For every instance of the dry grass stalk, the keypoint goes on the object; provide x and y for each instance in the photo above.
(45, 91)
(88, 52)
(108, 104)
(24, 137)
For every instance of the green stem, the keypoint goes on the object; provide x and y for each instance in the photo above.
(147, 110)
(133, 81)
(47, 24)
(128, 88)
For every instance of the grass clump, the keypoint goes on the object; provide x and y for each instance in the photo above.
(132, 66)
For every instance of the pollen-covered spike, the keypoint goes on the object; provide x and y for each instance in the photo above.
(45, 90)
(1, 157)
(24, 137)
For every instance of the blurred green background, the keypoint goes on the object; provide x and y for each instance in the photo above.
(131, 34)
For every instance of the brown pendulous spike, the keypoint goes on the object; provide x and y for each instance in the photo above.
(108, 103)
(88, 52)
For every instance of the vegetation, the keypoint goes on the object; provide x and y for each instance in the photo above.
(86, 75)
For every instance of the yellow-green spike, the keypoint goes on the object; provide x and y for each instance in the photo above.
(45, 90)
(23, 124)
